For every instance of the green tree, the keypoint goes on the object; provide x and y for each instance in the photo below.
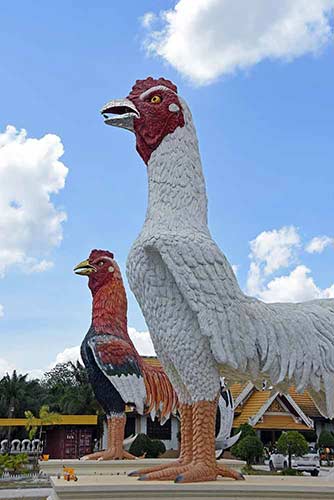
(292, 443)
(248, 448)
(45, 417)
(246, 430)
(17, 393)
(69, 391)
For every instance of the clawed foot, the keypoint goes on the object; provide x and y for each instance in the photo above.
(201, 472)
(161, 472)
(186, 473)
(109, 455)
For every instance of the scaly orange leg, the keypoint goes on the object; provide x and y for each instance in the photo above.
(204, 466)
(170, 471)
(115, 438)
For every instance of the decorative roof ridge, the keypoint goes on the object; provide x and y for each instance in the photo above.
(308, 421)
(243, 394)
(254, 420)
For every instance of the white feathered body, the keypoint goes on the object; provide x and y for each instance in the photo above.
(200, 321)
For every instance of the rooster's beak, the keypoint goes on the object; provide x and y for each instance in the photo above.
(120, 113)
(84, 268)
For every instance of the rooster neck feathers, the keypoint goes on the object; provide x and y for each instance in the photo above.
(177, 194)
(109, 313)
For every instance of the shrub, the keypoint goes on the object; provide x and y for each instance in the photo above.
(291, 472)
(292, 443)
(248, 448)
(14, 463)
(143, 445)
(246, 430)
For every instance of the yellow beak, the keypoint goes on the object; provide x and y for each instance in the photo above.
(84, 268)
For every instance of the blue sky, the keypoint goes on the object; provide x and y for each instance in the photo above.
(265, 128)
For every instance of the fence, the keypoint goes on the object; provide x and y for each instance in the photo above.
(16, 446)
(12, 476)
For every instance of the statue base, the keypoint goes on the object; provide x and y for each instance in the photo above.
(122, 487)
(114, 467)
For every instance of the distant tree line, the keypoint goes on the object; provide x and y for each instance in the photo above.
(64, 389)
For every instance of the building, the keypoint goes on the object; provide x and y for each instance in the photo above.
(72, 437)
(270, 413)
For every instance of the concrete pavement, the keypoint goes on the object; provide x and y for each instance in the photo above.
(26, 493)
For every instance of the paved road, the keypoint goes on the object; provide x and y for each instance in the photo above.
(324, 471)
(26, 493)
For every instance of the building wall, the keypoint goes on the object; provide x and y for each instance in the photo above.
(323, 425)
(171, 444)
(141, 428)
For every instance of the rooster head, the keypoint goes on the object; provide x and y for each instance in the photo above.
(100, 267)
(152, 110)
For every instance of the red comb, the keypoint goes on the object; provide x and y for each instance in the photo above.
(141, 85)
(94, 254)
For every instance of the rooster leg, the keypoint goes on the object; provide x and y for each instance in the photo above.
(115, 438)
(170, 471)
(204, 466)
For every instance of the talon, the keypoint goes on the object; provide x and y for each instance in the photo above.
(134, 473)
(179, 479)
(142, 478)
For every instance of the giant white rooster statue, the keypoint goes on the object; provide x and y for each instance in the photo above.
(200, 321)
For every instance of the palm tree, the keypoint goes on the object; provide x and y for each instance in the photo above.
(12, 389)
(17, 394)
(69, 390)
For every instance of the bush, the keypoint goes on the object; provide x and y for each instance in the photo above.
(291, 472)
(14, 463)
(292, 443)
(143, 445)
(248, 448)
(246, 430)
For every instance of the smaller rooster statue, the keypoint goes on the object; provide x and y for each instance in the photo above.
(119, 375)
(116, 371)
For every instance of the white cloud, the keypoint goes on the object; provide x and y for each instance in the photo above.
(142, 342)
(209, 38)
(318, 244)
(298, 286)
(148, 19)
(1, 311)
(272, 251)
(67, 355)
(30, 224)
(5, 367)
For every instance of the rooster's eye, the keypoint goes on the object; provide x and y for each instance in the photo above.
(101, 263)
(156, 99)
